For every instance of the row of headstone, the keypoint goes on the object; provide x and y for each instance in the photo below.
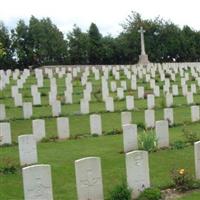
(37, 181)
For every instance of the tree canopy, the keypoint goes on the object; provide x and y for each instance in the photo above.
(40, 42)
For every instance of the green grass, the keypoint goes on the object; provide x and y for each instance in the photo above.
(62, 154)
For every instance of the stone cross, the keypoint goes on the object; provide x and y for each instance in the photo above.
(142, 31)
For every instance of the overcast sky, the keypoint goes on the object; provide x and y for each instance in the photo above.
(106, 14)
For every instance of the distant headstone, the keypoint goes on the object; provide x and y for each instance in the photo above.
(189, 97)
(195, 113)
(109, 104)
(56, 108)
(150, 101)
(27, 149)
(5, 133)
(63, 127)
(162, 133)
(120, 93)
(140, 92)
(126, 118)
(95, 124)
(18, 99)
(27, 110)
(169, 115)
(169, 100)
(129, 102)
(84, 106)
(130, 137)
(2, 112)
(38, 127)
(150, 118)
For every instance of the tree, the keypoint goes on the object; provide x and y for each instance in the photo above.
(2, 51)
(78, 46)
(95, 45)
(47, 43)
(21, 43)
(6, 58)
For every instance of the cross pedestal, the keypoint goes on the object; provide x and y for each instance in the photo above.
(143, 57)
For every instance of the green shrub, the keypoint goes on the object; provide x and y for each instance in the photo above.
(191, 136)
(114, 132)
(8, 166)
(120, 192)
(178, 144)
(183, 181)
(150, 194)
(148, 141)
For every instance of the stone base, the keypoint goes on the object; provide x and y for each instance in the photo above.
(143, 59)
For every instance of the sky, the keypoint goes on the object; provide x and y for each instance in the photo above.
(106, 14)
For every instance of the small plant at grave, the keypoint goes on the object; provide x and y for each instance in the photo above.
(148, 141)
(114, 132)
(141, 125)
(49, 139)
(43, 94)
(146, 94)
(8, 166)
(178, 144)
(162, 102)
(183, 181)
(97, 94)
(120, 192)
(190, 136)
(167, 75)
(95, 135)
(150, 194)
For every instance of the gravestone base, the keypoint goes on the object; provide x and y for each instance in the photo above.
(143, 59)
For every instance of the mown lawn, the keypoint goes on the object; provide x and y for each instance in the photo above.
(62, 154)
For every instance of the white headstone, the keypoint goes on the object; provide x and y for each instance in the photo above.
(197, 159)
(37, 182)
(36, 99)
(130, 137)
(120, 93)
(27, 110)
(56, 108)
(195, 113)
(169, 115)
(109, 104)
(18, 99)
(2, 112)
(89, 178)
(169, 100)
(150, 101)
(113, 86)
(68, 97)
(84, 106)
(162, 133)
(27, 149)
(150, 118)
(189, 97)
(63, 128)
(5, 133)
(129, 102)
(137, 171)
(126, 118)
(175, 91)
(38, 128)
(95, 124)
(140, 92)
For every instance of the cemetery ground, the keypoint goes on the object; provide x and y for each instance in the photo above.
(61, 154)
